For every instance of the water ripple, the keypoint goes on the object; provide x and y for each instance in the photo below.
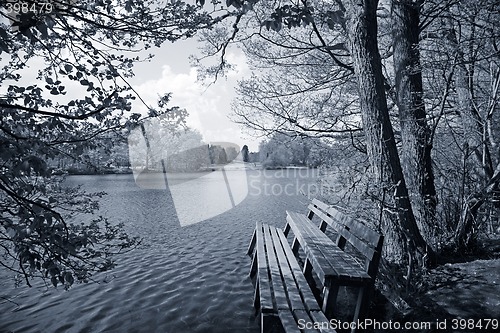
(189, 279)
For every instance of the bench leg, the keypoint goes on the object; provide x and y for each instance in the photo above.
(252, 242)
(286, 230)
(307, 267)
(307, 271)
(329, 300)
(270, 323)
(322, 226)
(363, 303)
(256, 298)
(295, 245)
(253, 267)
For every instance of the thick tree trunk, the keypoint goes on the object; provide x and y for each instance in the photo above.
(403, 239)
(415, 132)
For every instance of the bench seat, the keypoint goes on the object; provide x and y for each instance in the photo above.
(328, 258)
(332, 262)
(282, 295)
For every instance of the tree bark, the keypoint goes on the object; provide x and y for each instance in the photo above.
(415, 132)
(402, 238)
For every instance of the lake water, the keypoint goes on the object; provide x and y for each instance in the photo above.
(182, 278)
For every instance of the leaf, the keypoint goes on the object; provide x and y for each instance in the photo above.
(54, 280)
(43, 30)
(68, 277)
(276, 26)
(335, 17)
(128, 6)
(3, 34)
(68, 68)
(84, 82)
(268, 24)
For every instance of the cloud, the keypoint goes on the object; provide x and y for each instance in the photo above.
(208, 105)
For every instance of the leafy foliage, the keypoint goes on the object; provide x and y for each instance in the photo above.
(302, 84)
(64, 88)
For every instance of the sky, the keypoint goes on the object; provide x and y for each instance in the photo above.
(209, 106)
(170, 72)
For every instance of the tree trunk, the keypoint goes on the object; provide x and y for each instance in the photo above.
(402, 237)
(415, 132)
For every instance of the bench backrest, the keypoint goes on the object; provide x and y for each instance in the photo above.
(367, 241)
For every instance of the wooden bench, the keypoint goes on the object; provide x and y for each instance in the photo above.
(282, 296)
(328, 259)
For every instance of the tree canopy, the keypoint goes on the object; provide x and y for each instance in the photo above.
(418, 78)
(63, 78)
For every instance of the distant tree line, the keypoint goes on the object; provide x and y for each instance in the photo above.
(282, 150)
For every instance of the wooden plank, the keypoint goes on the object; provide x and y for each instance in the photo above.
(320, 204)
(304, 289)
(306, 241)
(322, 247)
(288, 321)
(369, 235)
(361, 237)
(316, 240)
(253, 267)
(346, 266)
(319, 317)
(365, 233)
(331, 221)
(304, 318)
(362, 247)
(287, 275)
(327, 259)
(265, 295)
(270, 322)
(278, 287)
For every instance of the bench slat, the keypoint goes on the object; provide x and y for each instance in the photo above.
(288, 321)
(309, 299)
(311, 245)
(281, 280)
(305, 318)
(344, 266)
(319, 317)
(265, 295)
(327, 258)
(350, 235)
(274, 268)
(288, 277)
(362, 231)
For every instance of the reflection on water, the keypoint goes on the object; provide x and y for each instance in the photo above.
(199, 196)
(181, 279)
